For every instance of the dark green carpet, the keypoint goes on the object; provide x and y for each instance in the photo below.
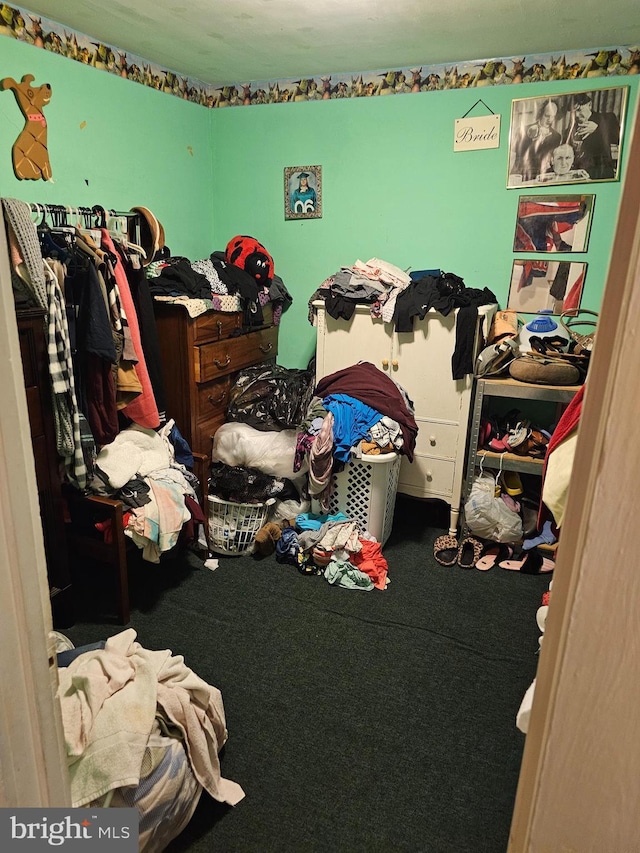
(359, 722)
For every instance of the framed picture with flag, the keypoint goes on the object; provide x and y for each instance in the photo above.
(553, 223)
(544, 283)
(303, 192)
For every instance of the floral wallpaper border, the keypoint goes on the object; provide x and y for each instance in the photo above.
(18, 23)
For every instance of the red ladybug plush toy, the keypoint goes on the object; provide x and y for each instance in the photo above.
(252, 257)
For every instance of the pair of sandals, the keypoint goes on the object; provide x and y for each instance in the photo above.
(471, 552)
(448, 551)
(529, 562)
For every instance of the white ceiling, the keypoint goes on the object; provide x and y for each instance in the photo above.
(240, 41)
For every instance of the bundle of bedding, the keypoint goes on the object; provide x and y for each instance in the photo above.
(142, 729)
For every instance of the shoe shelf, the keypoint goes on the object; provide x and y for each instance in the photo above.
(509, 462)
(515, 390)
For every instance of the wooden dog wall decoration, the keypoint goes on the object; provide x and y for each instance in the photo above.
(29, 152)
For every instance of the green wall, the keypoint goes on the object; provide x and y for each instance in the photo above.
(114, 143)
(393, 188)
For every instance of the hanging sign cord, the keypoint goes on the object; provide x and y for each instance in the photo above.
(479, 101)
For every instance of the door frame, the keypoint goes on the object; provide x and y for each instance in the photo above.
(578, 787)
(33, 764)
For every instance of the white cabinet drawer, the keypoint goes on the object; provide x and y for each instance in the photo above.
(437, 439)
(427, 477)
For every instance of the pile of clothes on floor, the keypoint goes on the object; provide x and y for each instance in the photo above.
(276, 448)
(334, 546)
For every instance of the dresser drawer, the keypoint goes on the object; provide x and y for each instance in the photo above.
(223, 357)
(211, 399)
(204, 432)
(437, 439)
(215, 326)
(427, 477)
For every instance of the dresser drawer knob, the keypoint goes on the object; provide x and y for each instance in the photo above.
(385, 364)
(429, 476)
(219, 325)
(218, 401)
(222, 364)
(266, 348)
(394, 364)
(432, 439)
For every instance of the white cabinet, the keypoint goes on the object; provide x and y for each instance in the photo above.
(420, 361)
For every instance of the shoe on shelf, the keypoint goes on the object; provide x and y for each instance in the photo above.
(511, 483)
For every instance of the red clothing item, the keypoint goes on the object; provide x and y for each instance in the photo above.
(143, 410)
(569, 421)
(371, 562)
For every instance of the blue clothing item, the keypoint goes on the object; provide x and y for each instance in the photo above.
(416, 275)
(288, 547)
(312, 521)
(182, 450)
(352, 420)
(64, 658)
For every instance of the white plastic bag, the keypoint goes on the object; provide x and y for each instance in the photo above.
(271, 452)
(488, 516)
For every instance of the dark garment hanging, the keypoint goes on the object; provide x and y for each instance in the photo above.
(463, 354)
(93, 349)
(340, 307)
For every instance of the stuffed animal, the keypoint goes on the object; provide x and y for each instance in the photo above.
(252, 257)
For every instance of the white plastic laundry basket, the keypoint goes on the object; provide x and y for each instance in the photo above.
(366, 492)
(233, 526)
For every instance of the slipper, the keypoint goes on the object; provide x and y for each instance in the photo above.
(493, 554)
(469, 552)
(511, 483)
(445, 550)
(532, 564)
(498, 444)
(519, 434)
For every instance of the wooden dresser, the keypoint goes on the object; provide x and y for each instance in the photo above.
(33, 350)
(200, 359)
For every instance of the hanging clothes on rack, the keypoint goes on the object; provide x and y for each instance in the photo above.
(143, 410)
(41, 285)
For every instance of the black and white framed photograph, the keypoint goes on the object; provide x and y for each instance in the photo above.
(566, 139)
(544, 284)
(553, 223)
(303, 192)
